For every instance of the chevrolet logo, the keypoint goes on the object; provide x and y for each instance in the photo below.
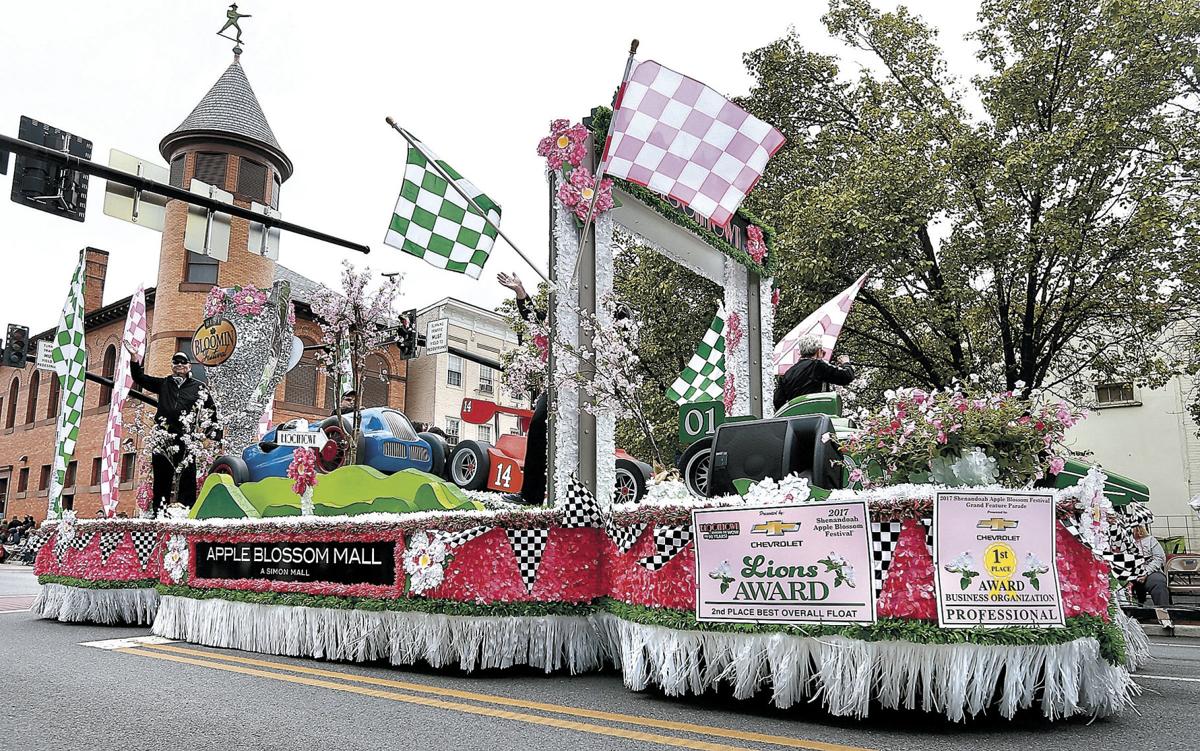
(774, 528)
(996, 524)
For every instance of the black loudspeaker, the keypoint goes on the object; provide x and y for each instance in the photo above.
(756, 449)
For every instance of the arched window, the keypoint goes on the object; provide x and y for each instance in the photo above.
(55, 396)
(35, 383)
(108, 369)
(300, 385)
(375, 382)
(13, 391)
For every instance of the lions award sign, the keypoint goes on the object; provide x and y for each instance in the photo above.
(804, 564)
(212, 345)
(993, 557)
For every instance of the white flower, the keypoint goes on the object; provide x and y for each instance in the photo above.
(1034, 565)
(723, 571)
(848, 574)
(66, 528)
(1019, 385)
(890, 395)
(175, 560)
(425, 562)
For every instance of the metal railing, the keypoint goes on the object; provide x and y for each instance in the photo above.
(1186, 526)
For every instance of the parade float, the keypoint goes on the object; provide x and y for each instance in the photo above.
(918, 559)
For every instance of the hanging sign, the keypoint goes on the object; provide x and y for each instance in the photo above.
(212, 345)
(994, 557)
(437, 336)
(45, 354)
(803, 564)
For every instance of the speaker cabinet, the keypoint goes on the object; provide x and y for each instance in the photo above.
(757, 449)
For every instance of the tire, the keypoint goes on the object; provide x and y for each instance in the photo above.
(470, 465)
(232, 466)
(696, 467)
(630, 486)
(438, 452)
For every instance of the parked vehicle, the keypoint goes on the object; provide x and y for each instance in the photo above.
(388, 443)
(480, 465)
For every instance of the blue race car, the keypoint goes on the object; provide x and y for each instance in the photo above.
(389, 443)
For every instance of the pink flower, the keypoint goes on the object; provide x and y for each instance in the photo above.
(291, 316)
(249, 300)
(303, 470)
(566, 143)
(576, 193)
(856, 475)
(919, 396)
(214, 305)
(543, 345)
(941, 436)
(733, 333)
(775, 298)
(1057, 464)
(730, 393)
(755, 245)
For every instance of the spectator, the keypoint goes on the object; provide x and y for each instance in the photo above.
(533, 488)
(811, 374)
(1153, 581)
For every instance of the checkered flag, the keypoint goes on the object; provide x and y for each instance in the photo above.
(624, 537)
(884, 536)
(704, 376)
(37, 542)
(81, 540)
(928, 522)
(134, 339)
(109, 542)
(1137, 515)
(826, 323)
(70, 364)
(528, 545)
(144, 543)
(580, 508)
(61, 544)
(433, 221)
(681, 139)
(455, 539)
(668, 541)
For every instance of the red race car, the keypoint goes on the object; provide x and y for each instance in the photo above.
(478, 465)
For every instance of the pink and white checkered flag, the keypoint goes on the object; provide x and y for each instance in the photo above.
(264, 422)
(826, 323)
(133, 339)
(679, 138)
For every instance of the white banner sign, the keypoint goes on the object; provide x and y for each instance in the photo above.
(303, 439)
(45, 355)
(437, 336)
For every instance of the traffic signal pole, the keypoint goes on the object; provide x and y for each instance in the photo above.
(86, 166)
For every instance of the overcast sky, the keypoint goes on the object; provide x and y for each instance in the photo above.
(477, 81)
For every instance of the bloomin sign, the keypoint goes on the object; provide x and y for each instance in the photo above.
(994, 557)
(212, 345)
(805, 564)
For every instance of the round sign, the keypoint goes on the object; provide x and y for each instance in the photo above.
(212, 345)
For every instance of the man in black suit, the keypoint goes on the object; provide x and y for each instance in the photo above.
(178, 395)
(811, 374)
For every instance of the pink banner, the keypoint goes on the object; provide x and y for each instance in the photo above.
(134, 340)
(804, 564)
(994, 560)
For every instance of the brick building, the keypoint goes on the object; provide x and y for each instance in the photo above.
(225, 141)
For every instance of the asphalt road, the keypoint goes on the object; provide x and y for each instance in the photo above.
(57, 693)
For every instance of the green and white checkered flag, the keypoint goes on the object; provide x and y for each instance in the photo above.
(432, 221)
(704, 376)
(70, 363)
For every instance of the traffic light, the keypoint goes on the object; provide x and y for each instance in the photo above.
(16, 346)
(407, 340)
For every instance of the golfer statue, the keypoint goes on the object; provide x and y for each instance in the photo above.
(233, 17)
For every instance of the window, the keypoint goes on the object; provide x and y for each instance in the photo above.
(177, 167)
(484, 432)
(201, 269)
(375, 382)
(300, 384)
(55, 397)
(184, 345)
(13, 391)
(210, 168)
(453, 425)
(252, 180)
(95, 471)
(35, 385)
(72, 470)
(1114, 394)
(23, 480)
(485, 379)
(454, 372)
(108, 368)
(44, 477)
(128, 462)
(275, 191)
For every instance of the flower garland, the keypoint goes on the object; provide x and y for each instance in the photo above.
(247, 301)
(303, 473)
(565, 149)
(175, 559)
(755, 245)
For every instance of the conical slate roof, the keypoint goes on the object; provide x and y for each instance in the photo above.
(229, 112)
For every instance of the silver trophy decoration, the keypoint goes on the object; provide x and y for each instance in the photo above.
(243, 382)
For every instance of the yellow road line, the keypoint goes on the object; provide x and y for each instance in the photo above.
(582, 727)
(687, 727)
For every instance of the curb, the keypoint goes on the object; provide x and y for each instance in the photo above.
(1184, 631)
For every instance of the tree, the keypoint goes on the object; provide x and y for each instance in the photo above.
(1033, 228)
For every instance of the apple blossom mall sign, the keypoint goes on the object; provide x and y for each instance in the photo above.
(316, 561)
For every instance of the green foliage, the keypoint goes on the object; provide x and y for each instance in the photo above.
(1031, 226)
(71, 581)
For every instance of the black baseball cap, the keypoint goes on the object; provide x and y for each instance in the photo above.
(178, 357)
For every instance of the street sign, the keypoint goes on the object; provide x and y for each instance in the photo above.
(207, 232)
(45, 355)
(130, 204)
(303, 439)
(437, 336)
(263, 243)
(45, 185)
